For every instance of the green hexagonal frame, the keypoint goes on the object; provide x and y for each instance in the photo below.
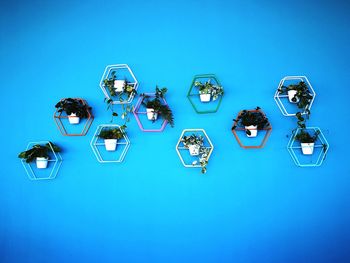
(191, 94)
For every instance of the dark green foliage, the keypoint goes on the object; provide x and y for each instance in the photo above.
(305, 137)
(38, 151)
(303, 94)
(76, 106)
(112, 133)
(208, 88)
(157, 105)
(247, 118)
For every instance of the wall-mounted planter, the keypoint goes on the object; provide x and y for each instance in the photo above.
(308, 155)
(190, 156)
(42, 168)
(108, 151)
(116, 91)
(203, 102)
(284, 99)
(72, 125)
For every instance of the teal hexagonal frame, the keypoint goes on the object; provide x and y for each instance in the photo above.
(193, 97)
(314, 160)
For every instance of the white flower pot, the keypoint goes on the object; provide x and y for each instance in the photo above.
(307, 148)
(194, 149)
(205, 97)
(111, 144)
(41, 162)
(73, 119)
(253, 130)
(151, 115)
(291, 94)
(119, 85)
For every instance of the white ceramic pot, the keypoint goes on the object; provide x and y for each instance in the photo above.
(253, 130)
(205, 97)
(119, 85)
(111, 144)
(151, 115)
(307, 148)
(41, 162)
(194, 149)
(291, 94)
(73, 119)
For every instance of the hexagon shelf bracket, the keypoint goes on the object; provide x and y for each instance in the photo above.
(319, 153)
(54, 164)
(194, 96)
(140, 111)
(61, 118)
(282, 101)
(183, 152)
(128, 75)
(98, 146)
(240, 134)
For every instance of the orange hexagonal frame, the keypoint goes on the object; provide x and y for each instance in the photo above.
(58, 117)
(240, 129)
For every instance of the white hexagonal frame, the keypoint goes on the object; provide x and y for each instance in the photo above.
(279, 97)
(94, 144)
(106, 73)
(178, 147)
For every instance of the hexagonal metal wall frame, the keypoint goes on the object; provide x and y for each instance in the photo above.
(200, 76)
(115, 67)
(137, 112)
(97, 153)
(291, 149)
(264, 140)
(178, 147)
(278, 97)
(54, 170)
(60, 125)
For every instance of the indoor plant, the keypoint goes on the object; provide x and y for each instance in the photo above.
(118, 87)
(74, 108)
(111, 136)
(307, 141)
(298, 93)
(155, 106)
(39, 153)
(195, 144)
(208, 90)
(252, 121)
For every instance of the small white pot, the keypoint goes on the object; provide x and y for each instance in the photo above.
(111, 144)
(253, 130)
(291, 94)
(151, 115)
(205, 97)
(307, 148)
(194, 149)
(41, 162)
(119, 85)
(73, 119)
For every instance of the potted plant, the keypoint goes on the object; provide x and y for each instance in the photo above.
(39, 153)
(307, 141)
(252, 121)
(208, 91)
(297, 93)
(118, 87)
(74, 108)
(155, 106)
(111, 137)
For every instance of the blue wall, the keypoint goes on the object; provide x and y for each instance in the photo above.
(251, 206)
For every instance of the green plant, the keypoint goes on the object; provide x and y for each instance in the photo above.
(157, 105)
(38, 151)
(126, 110)
(194, 139)
(128, 88)
(208, 88)
(248, 118)
(303, 96)
(304, 136)
(76, 106)
(112, 133)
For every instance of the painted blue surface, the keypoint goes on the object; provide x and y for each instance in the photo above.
(252, 206)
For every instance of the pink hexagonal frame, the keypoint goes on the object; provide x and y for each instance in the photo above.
(137, 112)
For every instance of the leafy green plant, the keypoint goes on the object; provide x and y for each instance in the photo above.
(208, 88)
(194, 139)
(303, 96)
(128, 88)
(112, 133)
(38, 151)
(304, 136)
(76, 106)
(248, 118)
(126, 110)
(157, 105)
